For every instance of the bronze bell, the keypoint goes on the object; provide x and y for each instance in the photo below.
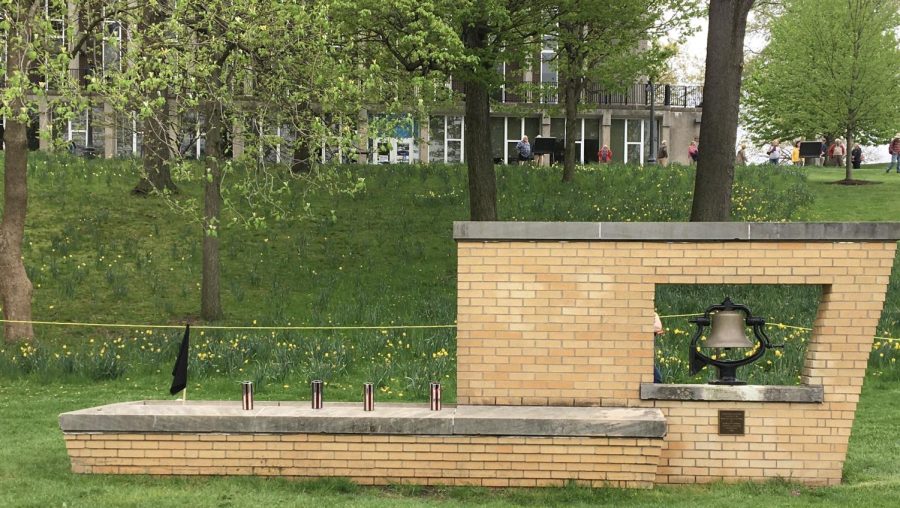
(728, 330)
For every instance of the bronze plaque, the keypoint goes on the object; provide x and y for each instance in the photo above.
(731, 423)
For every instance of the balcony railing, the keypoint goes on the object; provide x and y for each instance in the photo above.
(638, 94)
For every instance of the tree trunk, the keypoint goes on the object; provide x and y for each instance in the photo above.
(156, 154)
(156, 151)
(721, 95)
(848, 158)
(572, 90)
(15, 288)
(480, 163)
(210, 297)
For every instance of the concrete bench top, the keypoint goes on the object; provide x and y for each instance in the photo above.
(349, 418)
(678, 231)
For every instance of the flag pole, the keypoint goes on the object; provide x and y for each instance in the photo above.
(184, 395)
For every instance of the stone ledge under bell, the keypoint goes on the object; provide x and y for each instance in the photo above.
(813, 394)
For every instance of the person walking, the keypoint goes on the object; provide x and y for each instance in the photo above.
(524, 149)
(894, 150)
(693, 152)
(773, 152)
(856, 156)
(662, 155)
(604, 155)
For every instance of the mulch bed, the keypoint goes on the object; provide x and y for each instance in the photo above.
(854, 182)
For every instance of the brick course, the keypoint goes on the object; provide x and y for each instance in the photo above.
(376, 459)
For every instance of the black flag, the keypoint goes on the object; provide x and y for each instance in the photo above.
(179, 373)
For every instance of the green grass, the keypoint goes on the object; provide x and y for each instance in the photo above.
(877, 202)
(386, 257)
(34, 468)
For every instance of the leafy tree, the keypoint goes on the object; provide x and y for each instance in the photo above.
(599, 42)
(465, 39)
(721, 97)
(39, 44)
(150, 19)
(830, 68)
(251, 67)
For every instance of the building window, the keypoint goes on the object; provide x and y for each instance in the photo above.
(55, 10)
(287, 139)
(192, 143)
(112, 46)
(515, 128)
(549, 71)
(77, 129)
(631, 137)
(587, 144)
(447, 137)
(393, 139)
(128, 137)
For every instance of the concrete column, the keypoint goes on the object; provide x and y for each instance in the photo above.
(666, 131)
(109, 131)
(606, 130)
(424, 140)
(545, 133)
(362, 146)
(44, 125)
(237, 139)
(527, 77)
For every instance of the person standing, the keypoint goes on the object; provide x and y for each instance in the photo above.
(823, 161)
(839, 152)
(795, 154)
(741, 157)
(657, 331)
(604, 155)
(773, 152)
(662, 155)
(856, 156)
(894, 150)
(524, 149)
(693, 152)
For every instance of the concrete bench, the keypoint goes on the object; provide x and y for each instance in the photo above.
(468, 445)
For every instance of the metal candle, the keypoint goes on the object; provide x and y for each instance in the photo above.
(435, 396)
(317, 394)
(247, 395)
(368, 397)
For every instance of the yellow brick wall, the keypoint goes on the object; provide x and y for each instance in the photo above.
(570, 323)
(371, 459)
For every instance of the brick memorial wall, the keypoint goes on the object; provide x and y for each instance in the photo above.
(555, 370)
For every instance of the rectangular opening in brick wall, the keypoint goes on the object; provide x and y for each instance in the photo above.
(789, 311)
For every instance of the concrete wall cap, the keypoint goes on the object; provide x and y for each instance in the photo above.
(346, 418)
(678, 231)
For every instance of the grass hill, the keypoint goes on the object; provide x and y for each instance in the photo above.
(384, 256)
(380, 257)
